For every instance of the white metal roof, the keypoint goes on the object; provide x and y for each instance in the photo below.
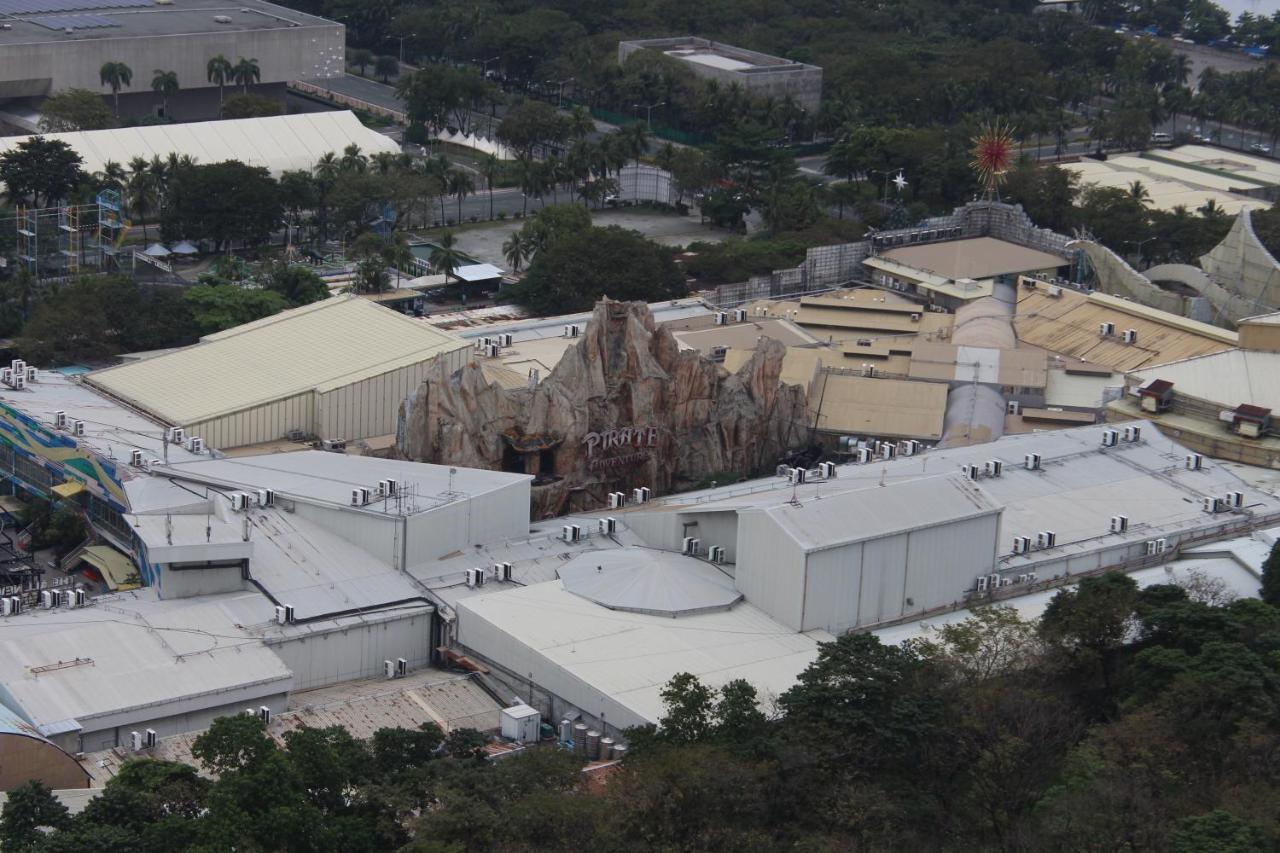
(1228, 378)
(134, 651)
(322, 346)
(477, 272)
(643, 580)
(329, 477)
(279, 143)
(825, 521)
(629, 657)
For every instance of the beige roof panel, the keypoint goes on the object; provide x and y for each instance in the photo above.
(890, 407)
(317, 347)
(976, 258)
(1068, 324)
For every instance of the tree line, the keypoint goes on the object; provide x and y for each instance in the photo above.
(1121, 719)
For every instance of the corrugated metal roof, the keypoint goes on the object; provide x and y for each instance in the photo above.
(277, 143)
(1226, 378)
(322, 346)
(890, 407)
(976, 258)
(830, 521)
(1068, 324)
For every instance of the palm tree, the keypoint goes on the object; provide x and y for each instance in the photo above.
(246, 71)
(460, 185)
(326, 172)
(353, 160)
(490, 166)
(115, 75)
(164, 83)
(219, 71)
(112, 176)
(515, 250)
(1139, 193)
(141, 190)
(445, 258)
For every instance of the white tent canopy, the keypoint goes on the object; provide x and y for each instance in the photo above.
(157, 250)
(185, 248)
(279, 143)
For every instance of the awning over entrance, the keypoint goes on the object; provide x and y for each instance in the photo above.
(117, 570)
(69, 489)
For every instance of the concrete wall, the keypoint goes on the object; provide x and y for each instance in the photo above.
(186, 583)
(490, 517)
(771, 569)
(283, 54)
(347, 653)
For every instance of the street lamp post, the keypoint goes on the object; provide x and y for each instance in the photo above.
(560, 92)
(402, 38)
(649, 108)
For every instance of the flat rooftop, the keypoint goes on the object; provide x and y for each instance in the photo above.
(717, 55)
(856, 405)
(973, 258)
(326, 477)
(38, 21)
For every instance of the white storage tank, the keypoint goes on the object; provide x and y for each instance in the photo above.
(521, 724)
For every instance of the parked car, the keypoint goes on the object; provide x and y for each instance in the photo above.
(1161, 138)
(1259, 148)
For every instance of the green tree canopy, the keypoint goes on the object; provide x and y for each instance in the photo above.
(40, 171)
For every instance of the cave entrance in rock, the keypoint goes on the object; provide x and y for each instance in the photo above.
(512, 460)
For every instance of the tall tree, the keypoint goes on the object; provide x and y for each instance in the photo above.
(246, 72)
(219, 71)
(40, 171)
(165, 84)
(116, 75)
(1270, 591)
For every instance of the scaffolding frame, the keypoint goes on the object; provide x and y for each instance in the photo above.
(70, 239)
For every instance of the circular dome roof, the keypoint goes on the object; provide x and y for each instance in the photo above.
(640, 580)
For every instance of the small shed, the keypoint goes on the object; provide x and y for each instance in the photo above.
(1156, 395)
(521, 724)
(1251, 421)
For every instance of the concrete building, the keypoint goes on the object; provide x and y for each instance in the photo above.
(337, 369)
(47, 46)
(953, 272)
(757, 74)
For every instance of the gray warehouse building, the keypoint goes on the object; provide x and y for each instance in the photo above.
(47, 46)
(759, 74)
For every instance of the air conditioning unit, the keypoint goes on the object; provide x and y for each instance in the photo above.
(284, 614)
(149, 738)
(863, 455)
(1031, 461)
(502, 571)
(1022, 578)
(982, 583)
(1195, 462)
(721, 318)
(264, 714)
(1006, 582)
(915, 316)
(1106, 330)
(135, 458)
(617, 500)
(797, 475)
(68, 598)
(993, 581)
(77, 427)
(1021, 544)
(239, 501)
(59, 420)
(389, 667)
(910, 447)
(969, 471)
(19, 382)
(1031, 577)
(402, 667)
(48, 599)
(1157, 546)
(176, 435)
(1235, 500)
(492, 350)
(827, 470)
(571, 532)
(640, 495)
(1211, 504)
(82, 598)
(33, 375)
(718, 353)
(1046, 539)
(1013, 407)
(333, 445)
(608, 525)
(1130, 336)
(690, 545)
(739, 315)
(475, 577)
(505, 339)
(572, 330)
(1119, 523)
(360, 496)
(994, 468)
(196, 444)
(135, 741)
(868, 369)
(1055, 291)
(716, 553)
(888, 450)
(1132, 433)
(266, 497)
(1110, 437)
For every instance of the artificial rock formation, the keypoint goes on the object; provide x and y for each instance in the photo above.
(624, 407)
